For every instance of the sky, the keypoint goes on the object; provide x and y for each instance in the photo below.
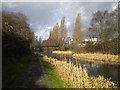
(44, 15)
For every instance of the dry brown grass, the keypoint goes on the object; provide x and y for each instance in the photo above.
(62, 52)
(98, 57)
(78, 77)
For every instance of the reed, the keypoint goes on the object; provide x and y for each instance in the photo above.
(78, 77)
(98, 57)
(62, 52)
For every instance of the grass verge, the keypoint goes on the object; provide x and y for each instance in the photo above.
(52, 76)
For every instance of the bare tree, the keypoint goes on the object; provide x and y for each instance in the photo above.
(106, 25)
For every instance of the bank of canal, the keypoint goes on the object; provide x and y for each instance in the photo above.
(94, 68)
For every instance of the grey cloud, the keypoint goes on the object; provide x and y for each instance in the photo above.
(39, 14)
(42, 14)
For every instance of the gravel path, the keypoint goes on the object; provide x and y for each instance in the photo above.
(31, 77)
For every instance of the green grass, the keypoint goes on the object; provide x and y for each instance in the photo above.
(54, 79)
(13, 69)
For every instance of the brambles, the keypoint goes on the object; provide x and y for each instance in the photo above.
(78, 77)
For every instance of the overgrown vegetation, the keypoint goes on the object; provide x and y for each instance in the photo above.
(16, 34)
(16, 46)
(99, 57)
(78, 77)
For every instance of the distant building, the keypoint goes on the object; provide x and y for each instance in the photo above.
(91, 39)
(68, 41)
(86, 40)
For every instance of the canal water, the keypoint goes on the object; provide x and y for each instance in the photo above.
(94, 68)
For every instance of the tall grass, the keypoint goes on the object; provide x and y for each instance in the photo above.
(62, 52)
(78, 77)
(113, 59)
(98, 57)
(52, 76)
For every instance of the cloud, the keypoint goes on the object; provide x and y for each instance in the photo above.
(114, 6)
(44, 33)
(67, 24)
(10, 5)
(60, 1)
(43, 15)
(39, 14)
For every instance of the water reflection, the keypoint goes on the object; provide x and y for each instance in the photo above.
(94, 69)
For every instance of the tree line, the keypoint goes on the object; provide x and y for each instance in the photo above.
(17, 36)
(106, 25)
(103, 23)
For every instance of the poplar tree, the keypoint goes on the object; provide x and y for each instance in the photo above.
(62, 31)
(77, 34)
(55, 33)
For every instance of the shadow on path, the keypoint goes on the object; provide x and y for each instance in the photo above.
(31, 77)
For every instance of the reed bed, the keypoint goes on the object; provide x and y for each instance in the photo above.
(98, 57)
(78, 77)
(62, 52)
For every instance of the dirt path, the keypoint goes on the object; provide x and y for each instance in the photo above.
(31, 77)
